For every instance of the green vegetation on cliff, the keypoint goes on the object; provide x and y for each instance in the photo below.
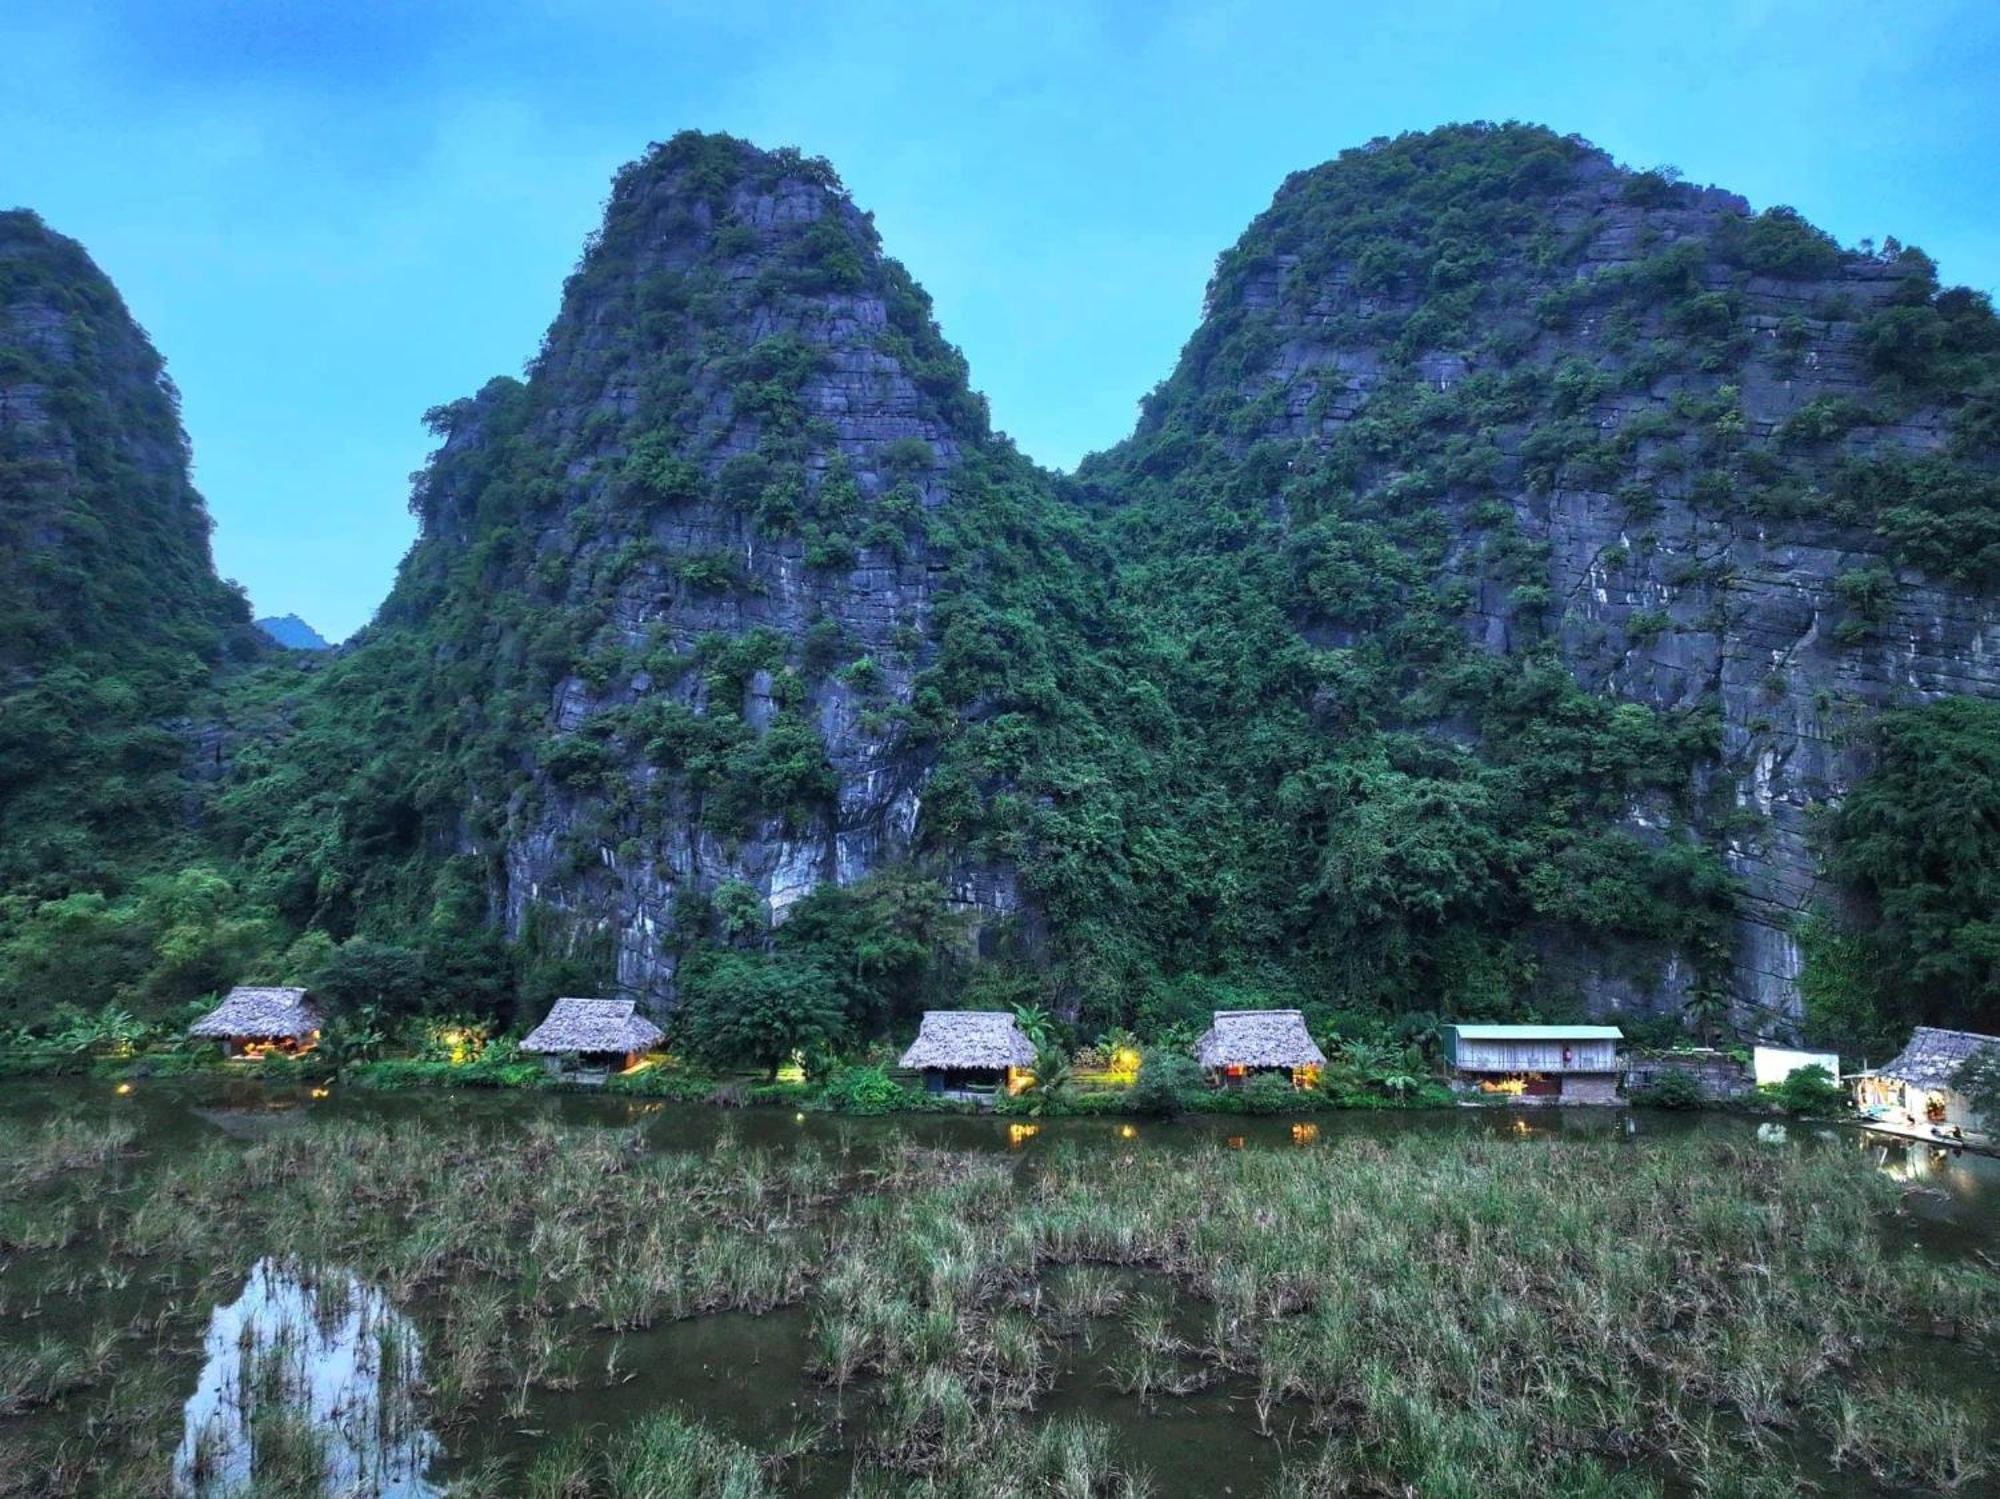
(111, 617)
(1389, 665)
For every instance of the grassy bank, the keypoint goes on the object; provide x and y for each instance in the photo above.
(1440, 1317)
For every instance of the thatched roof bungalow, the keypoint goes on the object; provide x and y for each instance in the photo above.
(1916, 1089)
(968, 1051)
(1240, 1044)
(254, 1021)
(583, 1036)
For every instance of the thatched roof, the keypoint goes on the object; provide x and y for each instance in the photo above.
(1539, 1032)
(611, 1025)
(261, 1015)
(970, 1039)
(1258, 1038)
(1934, 1055)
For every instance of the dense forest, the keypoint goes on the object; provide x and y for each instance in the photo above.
(1540, 587)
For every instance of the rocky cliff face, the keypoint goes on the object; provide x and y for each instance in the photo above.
(110, 610)
(1701, 426)
(692, 555)
(1512, 567)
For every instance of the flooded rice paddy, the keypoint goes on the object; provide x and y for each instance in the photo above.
(213, 1289)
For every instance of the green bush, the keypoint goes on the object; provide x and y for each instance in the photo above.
(864, 1090)
(502, 1066)
(1809, 1090)
(1266, 1094)
(1167, 1081)
(682, 1085)
(1675, 1089)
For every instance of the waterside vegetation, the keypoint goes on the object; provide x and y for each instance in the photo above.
(1450, 1316)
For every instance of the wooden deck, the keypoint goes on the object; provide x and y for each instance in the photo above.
(1979, 1144)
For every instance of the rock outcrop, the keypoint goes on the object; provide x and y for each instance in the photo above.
(706, 514)
(1479, 617)
(1678, 400)
(111, 613)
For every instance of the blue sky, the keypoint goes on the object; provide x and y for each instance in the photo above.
(331, 216)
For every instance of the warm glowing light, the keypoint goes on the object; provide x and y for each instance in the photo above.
(1304, 1134)
(1019, 1081)
(1020, 1134)
(124, 1088)
(1514, 1086)
(1305, 1077)
(799, 1118)
(1125, 1064)
(639, 1066)
(282, 1046)
(321, 1092)
(1128, 1131)
(1234, 1142)
(460, 1044)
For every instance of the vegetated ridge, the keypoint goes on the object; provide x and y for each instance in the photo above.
(1539, 585)
(111, 616)
(293, 633)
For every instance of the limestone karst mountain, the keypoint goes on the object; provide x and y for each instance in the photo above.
(111, 615)
(1524, 559)
(291, 632)
(1713, 463)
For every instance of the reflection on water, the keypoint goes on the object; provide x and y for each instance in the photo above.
(1963, 1177)
(306, 1375)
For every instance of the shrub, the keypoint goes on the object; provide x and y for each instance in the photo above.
(1167, 1079)
(656, 475)
(1268, 1094)
(864, 1090)
(1674, 1090)
(1778, 242)
(1809, 1090)
(680, 1084)
(1978, 1078)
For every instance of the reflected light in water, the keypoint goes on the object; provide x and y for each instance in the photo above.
(328, 1351)
(1305, 1134)
(1019, 1134)
(1128, 1131)
(123, 1090)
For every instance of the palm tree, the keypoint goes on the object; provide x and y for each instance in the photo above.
(1035, 1023)
(1706, 1010)
(1051, 1078)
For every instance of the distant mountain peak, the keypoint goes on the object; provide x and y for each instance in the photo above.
(293, 633)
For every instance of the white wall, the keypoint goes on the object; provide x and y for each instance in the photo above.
(1773, 1064)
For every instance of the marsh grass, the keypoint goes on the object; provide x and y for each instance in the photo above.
(662, 1456)
(1459, 1316)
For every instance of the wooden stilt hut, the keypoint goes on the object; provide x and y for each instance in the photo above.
(1241, 1044)
(257, 1021)
(971, 1053)
(586, 1040)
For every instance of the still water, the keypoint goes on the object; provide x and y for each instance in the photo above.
(346, 1365)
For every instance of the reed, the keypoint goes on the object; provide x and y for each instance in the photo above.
(1452, 1317)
